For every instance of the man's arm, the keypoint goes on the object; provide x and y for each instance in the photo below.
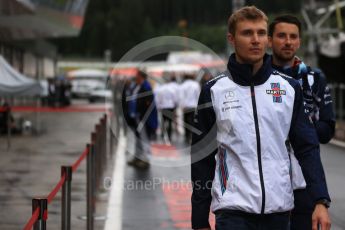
(325, 125)
(203, 150)
(321, 216)
(305, 143)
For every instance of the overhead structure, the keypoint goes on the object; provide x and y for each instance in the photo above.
(315, 14)
(16, 7)
(28, 19)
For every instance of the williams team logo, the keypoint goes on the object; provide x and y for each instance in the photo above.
(276, 92)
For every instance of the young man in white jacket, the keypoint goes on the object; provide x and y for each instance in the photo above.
(240, 162)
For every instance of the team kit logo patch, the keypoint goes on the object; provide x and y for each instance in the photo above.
(223, 172)
(276, 92)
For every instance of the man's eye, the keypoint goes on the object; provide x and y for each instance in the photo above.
(262, 33)
(281, 35)
(247, 32)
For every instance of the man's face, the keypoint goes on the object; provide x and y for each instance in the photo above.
(138, 78)
(249, 41)
(285, 41)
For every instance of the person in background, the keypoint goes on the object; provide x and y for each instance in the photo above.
(7, 122)
(206, 77)
(51, 92)
(168, 101)
(129, 104)
(285, 39)
(189, 93)
(146, 119)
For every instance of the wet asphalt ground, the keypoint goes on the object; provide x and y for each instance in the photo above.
(31, 167)
(157, 198)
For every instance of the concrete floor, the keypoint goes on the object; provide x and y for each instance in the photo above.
(31, 167)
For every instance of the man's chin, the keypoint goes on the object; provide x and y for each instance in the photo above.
(287, 57)
(254, 60)
(284, 59)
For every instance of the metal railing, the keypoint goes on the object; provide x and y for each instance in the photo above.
(96, 153)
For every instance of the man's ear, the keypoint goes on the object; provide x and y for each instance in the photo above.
(299, 44)
(269, 41)
(231, 39)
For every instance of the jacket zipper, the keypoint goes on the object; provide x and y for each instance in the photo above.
(258, 146)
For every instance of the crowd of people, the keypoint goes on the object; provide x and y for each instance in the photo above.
(171, 97)
(149, 111)
(57, 93)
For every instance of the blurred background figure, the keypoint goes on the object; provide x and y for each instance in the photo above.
(51, 92)
(128, 105)
(7, 121)
(167, 102)
(146, 120)
(189, 94)
(206, 77)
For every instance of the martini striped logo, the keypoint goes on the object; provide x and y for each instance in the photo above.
(276, 92)
(223, 170)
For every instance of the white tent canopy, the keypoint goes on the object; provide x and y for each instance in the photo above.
(13, 83)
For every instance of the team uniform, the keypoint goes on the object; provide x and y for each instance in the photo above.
(319, 107)
(246, 120)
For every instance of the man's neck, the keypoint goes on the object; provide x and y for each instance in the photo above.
(282, 63)
(257, 66)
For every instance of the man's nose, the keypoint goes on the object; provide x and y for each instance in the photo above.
(255, 38)
(288, 41)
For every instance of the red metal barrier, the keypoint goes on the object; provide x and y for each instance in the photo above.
(53, 193)
(81, 158)
(32, 220)
(98, 151)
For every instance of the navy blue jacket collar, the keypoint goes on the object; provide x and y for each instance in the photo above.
(242, 73)
(296, 71)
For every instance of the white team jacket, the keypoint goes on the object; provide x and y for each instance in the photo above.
(237, 183)
(251, 118)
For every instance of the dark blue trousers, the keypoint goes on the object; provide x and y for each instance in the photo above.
(301, 221)
(301, 214)
(233, 220)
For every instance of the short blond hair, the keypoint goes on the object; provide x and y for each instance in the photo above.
(245, 13)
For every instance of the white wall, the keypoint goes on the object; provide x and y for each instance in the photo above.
(29, 65)
(45, 66)
(48, 68)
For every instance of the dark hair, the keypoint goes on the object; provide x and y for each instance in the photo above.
(244, 13)
(287, 18)
(142, 74)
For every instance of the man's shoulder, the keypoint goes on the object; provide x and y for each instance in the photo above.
(316, 77)
(214, 80)
(317, 73)
(146, 86)
(281, 74)
(292, 81)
